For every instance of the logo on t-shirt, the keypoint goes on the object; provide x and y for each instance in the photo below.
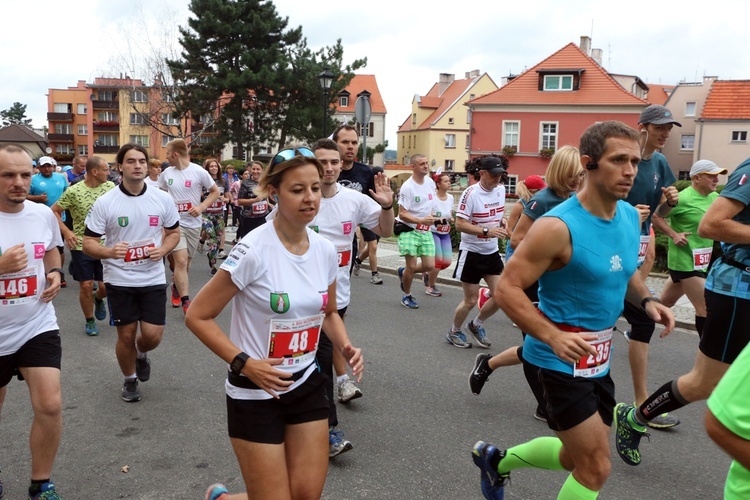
(279, 302)
(324, 296)
(743, 179)
(170, 181)
(616, 262)
(39, 250)
(347, 226)
(122, 221)
(315, 228)
(153, 220)
(188, 183)
(417, 198)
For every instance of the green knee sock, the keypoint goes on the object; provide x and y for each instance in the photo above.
(573, 490)
(541, 453)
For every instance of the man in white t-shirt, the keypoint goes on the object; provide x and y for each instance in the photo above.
(29, 335)
(479, 219)
(341, 211)
(140, 225)
(185, 182)
(415, 211)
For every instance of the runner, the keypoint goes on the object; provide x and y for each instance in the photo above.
(443, 208)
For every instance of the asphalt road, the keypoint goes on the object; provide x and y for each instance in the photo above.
(412, 431)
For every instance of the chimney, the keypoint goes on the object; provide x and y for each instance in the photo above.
(445, 81)
(596, 55)
(472, 74)
(585, 45)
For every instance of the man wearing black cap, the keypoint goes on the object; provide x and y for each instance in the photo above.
(479, 219)
(652, 193)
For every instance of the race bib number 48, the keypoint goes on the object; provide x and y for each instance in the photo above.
(295, 338)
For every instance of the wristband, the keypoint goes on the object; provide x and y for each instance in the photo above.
(56, 269)
(672, 206)
(388, 207)
(647, 300)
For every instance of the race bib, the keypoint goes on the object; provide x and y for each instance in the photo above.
(422, 227)
(591, 366)
(295, 339)
(18, 288)
(260, 207)
(138, 252)
(643, 248)
(345, 255)
(216, 207)
(183, 205)
(443, 228)
(701, 258)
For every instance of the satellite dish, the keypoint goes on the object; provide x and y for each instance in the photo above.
(48, 150)
(439, 171)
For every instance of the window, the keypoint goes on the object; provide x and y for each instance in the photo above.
(83, 130)
(63, 128)
(468, 116)
(558, 82)
(370, 129)
(414, 118)
(687, 142)
(140, 140)
(511, 133)
(107, 116)
(83, 150)
(165, 139)
(62, 107)
(468, 141)
(510, 184)
(137, 119)
(81, 109)
(344, 101)
(65, 149)
(409, 142)
(106, 140)
(415, 142)
(403, 141)
(549, 135)
(689, 109)
(450, 140)
(472, 96)
(683, 175)
(739, 135)
(450, 121)
(449, 165)
(139, 96)
(169, 119)
(106, 95)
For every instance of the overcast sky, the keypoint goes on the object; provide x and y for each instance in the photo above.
(52, 43)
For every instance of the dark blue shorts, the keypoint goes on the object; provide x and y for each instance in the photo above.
(85, 268)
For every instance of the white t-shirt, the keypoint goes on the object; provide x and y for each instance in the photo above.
(278, 311)
(442, 209)
(337, 220)
(484, 209)
(151, 183)
(23, 315)
(186, 187)
(417, 199)
(137, 220)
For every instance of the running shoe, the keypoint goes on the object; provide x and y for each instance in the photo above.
(663, 421)
(46, 493)
(201, 248)
(401, 277)
(484, 296)
(409, 302)
(457, 339)
(91, 329)
(216, 491)
(347, 390)
(357, 266)
(143, 368)
(130, 392)
(540, 415)
(337, 444)
(213, 271)
(221, 254)
(100, 309)
(625, 333)
(185, 306)
(479, 335)
(481, 372)
(627, 438)
(376, 279)
(433, 291)
(176, 302)
(486, 457)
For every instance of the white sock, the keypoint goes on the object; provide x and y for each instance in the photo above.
(342, 378)
(477, 322)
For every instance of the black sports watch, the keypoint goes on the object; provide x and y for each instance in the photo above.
(238, 363)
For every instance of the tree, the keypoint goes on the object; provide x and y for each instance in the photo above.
(241, 54)
(16, 114)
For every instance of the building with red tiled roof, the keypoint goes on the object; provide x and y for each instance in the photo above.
(345, 112)
(438, 126)
(550, 105)
(718, 128)
(658, 93)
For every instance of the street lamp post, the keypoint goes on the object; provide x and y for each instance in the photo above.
(325, 78)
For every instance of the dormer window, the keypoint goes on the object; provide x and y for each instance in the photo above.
(343, 101)
(558, 82)
(560, 79)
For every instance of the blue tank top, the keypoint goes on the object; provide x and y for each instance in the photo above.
(589, 291)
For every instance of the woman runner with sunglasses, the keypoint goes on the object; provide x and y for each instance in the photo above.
(281, 279)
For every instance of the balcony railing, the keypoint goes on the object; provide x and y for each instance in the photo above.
(60, 137)
(105, 104)
(109, 127)
(106, 149)
(60, 117)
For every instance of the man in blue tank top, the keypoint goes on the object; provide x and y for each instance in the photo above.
(584, 253)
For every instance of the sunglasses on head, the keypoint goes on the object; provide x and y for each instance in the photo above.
(288, 154)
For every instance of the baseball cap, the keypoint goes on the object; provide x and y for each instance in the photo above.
(658, 115)
(492, 164)
(534, 182)
(47, 160)
(706, 167)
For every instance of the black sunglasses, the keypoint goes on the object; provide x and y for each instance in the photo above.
(288, 154)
